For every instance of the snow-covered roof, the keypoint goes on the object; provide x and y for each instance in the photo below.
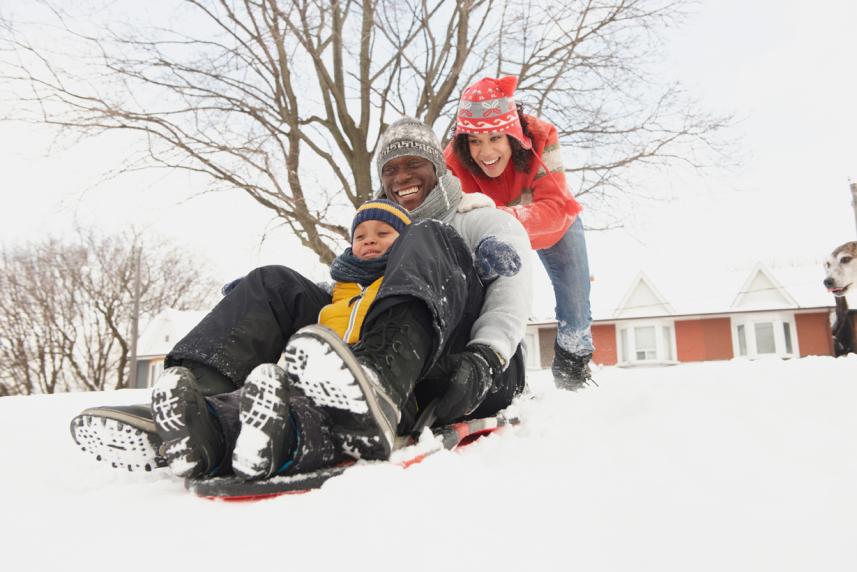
(164, 330)
(685, 289)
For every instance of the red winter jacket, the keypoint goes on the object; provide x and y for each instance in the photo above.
(540, 200)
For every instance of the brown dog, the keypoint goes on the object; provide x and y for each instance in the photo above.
(841, 281)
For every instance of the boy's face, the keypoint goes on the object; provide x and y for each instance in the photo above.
(372, 238)
(408, 180)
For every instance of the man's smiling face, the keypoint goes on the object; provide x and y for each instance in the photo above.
(408, 180)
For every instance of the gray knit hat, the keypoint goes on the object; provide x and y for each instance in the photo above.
(407, 136)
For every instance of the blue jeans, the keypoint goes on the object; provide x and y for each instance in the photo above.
(568, 269)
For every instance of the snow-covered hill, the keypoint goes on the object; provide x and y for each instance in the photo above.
(719, 466)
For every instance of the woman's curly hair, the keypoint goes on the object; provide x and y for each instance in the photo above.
(521, 158)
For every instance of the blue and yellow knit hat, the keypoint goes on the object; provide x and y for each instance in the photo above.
(383, 210)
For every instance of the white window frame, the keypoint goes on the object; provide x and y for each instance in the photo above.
(749, 322)
(664, 351)
(532, 356)
(155, 369)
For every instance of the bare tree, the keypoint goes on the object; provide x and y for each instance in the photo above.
(65, 308)
(286, 99)
(583, 65)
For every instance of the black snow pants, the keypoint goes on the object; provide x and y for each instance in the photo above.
(251, 325)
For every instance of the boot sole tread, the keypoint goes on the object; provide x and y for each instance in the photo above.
(263, 404)
(113, 441)
(338, 388)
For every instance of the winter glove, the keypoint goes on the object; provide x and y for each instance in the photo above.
(470, 374)
(472, 201)
(495, 257)
(230, 286)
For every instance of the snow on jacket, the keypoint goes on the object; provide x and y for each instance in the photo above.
(538, 198)
(347, 311)
(506, 307)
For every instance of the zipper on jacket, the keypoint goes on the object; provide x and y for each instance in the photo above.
(352, 318)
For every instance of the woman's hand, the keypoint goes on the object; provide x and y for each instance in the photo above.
(472, 201)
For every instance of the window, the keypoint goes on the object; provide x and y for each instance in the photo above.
(667, 333)
(646, 342)
(646, 348)
(764, 335)
(531, 351)
(742, 340)
(155, 369)
(624, 352)
(765, 338)
(787, 335)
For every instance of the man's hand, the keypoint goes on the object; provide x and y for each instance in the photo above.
(470, 375)
(495, 257)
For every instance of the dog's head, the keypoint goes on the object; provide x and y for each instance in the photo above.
(841, 270)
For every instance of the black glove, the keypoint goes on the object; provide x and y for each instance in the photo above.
(470, 374)
(495, 257)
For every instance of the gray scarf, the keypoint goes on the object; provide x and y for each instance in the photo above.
(441, 203)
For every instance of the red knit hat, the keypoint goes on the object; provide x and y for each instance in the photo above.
(488, 106)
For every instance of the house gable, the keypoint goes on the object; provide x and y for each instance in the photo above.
(642, 300)
(761, 291)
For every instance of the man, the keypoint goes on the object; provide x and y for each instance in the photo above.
(413, 173)
(471, 363)
(434, 332)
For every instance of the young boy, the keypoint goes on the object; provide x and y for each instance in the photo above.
(127, 437)
(263, 428)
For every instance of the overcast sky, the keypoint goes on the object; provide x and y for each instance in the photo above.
(786, 69)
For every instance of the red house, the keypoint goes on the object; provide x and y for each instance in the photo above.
(783, 312)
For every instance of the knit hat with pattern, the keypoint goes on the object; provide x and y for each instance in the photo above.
(488, 106)
(407, 136)
(384, 211)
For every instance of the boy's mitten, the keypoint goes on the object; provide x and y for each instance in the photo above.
(230, 286)
(495, 257)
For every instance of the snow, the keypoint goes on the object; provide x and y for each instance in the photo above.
(714, 466)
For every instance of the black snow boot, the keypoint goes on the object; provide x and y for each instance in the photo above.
(363, 391)
(266, 438)
(208, 380)
(122, 435)
(571, 372)
(194, 445)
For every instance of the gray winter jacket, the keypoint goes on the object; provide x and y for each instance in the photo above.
(506, 308)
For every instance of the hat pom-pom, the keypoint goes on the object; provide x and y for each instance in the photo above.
(507, 85)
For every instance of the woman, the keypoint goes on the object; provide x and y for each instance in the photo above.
(515, 159)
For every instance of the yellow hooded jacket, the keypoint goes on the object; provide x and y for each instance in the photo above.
(346, 313)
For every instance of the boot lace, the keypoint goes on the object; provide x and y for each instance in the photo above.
(383, 344)
(571, 371)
